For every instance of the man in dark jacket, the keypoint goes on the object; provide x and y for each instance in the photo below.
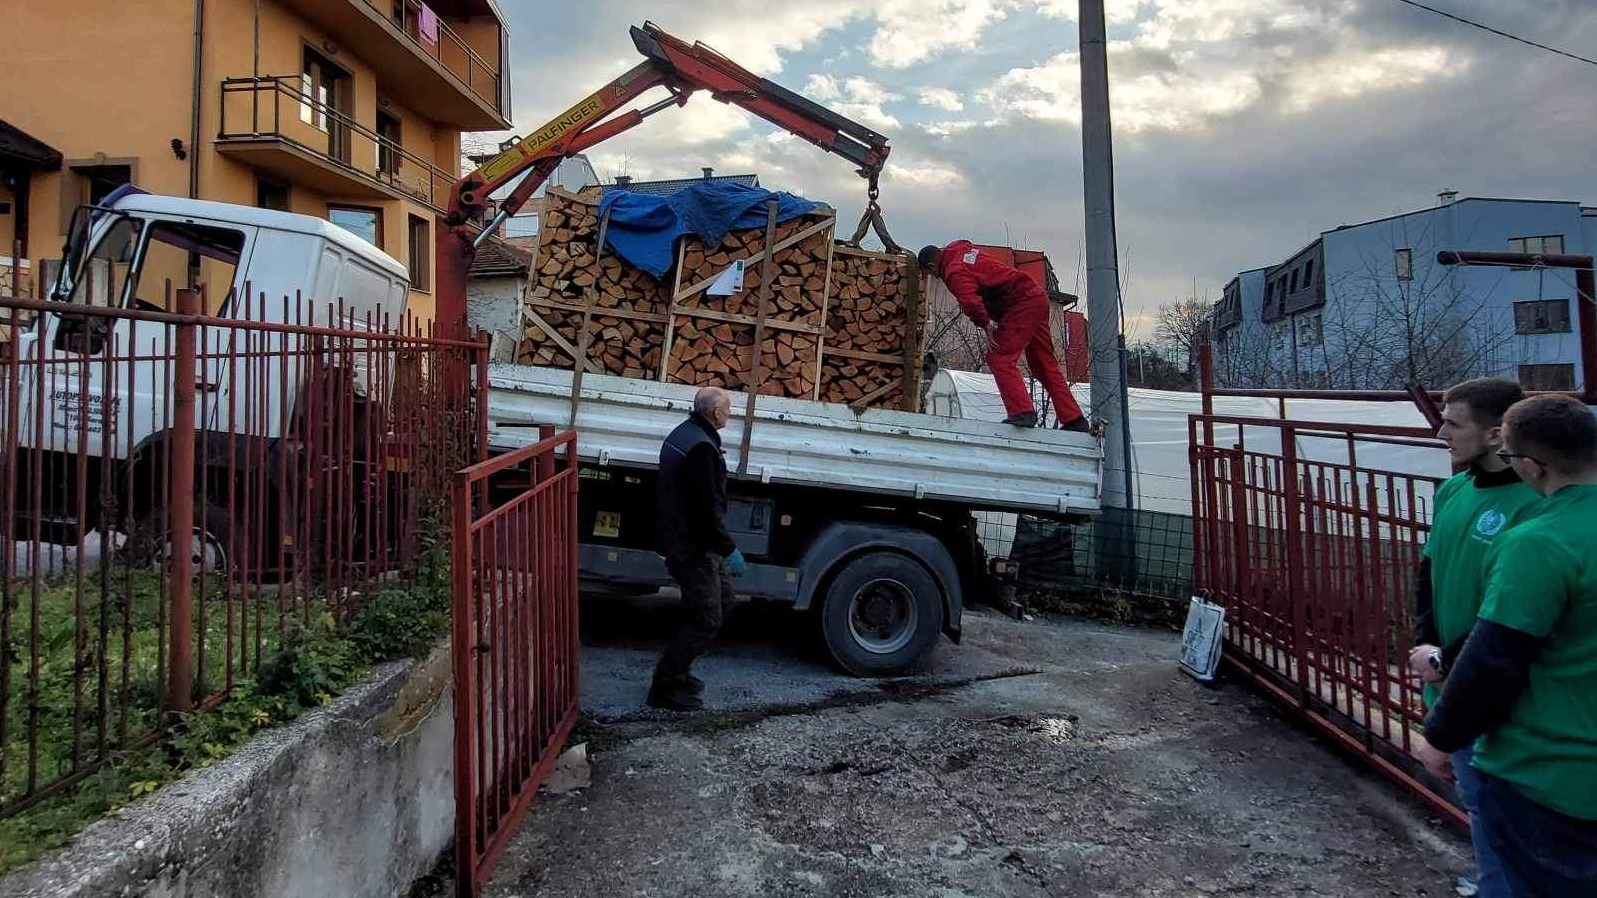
(1011, 307)
(690, 528)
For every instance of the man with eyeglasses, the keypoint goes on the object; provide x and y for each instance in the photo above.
(1524, 689)
(1470, 512)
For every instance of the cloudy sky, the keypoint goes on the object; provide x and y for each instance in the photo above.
(1243, 128)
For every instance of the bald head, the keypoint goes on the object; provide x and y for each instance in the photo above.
(713, 404)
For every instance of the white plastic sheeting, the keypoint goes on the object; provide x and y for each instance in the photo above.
(1162, 469)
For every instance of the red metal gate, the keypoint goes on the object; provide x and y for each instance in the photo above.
(1313, 555)
(514, 640)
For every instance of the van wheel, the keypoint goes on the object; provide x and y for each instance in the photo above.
(151, 543)
(881, 614)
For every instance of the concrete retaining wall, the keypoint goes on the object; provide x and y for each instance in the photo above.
(354, 800)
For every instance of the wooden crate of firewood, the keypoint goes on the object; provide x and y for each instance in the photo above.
(710, 340)
(579, 295)
(834, 323)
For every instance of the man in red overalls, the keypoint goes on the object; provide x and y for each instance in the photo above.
(1013, 309)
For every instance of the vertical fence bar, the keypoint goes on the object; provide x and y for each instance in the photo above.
(463, 649)
(180, 505)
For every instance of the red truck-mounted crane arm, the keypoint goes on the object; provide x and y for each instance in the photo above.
(679, 67)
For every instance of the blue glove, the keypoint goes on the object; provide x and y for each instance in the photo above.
(735, 565)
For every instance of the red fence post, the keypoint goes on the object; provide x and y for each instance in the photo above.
(462, 638)
(180, 509)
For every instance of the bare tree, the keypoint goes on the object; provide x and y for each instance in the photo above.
(1183, 328)
(1242, 357)
(1399, 318)
(956, 341)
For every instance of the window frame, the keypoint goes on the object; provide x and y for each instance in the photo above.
(420, 268)
(1525, 376)
(1526, 304)
(349, 207)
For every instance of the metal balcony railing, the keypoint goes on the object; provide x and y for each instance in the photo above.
(278, 108)
(466, 64)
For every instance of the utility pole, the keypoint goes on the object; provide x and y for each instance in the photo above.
(1106, 342)
(1103, 269)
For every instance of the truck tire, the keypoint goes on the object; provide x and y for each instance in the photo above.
(149, 541)
(882, 612)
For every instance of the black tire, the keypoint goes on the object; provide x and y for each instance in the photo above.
(881, 613)
(150, 535)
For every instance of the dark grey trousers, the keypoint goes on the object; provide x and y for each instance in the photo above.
(706, 597)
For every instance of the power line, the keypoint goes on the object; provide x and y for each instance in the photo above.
(1513, 37)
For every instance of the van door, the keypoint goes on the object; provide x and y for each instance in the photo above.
(214, 259)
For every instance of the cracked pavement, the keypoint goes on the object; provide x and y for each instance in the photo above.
(1045, 758)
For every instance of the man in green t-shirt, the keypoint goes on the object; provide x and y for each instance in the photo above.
(1525, 685)
(1470, 513)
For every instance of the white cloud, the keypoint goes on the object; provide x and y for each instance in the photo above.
(1194, 62)
(1348, 75)
(1116, 12)
(858, 98)
(922, 173)
(941, 98)
(944, 129)
(911, 31)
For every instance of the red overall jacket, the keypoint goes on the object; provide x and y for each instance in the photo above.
(985, 287)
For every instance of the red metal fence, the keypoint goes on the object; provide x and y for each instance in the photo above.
(175, 487)
(1313, 555)
(515, 644)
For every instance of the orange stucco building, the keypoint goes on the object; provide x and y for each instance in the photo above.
(349, 110)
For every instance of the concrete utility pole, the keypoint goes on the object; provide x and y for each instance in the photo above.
(1104, 339)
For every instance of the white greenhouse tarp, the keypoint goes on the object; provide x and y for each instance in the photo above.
(1162, 472)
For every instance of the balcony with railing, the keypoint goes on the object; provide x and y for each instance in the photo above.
(273, 125)
(445, 58)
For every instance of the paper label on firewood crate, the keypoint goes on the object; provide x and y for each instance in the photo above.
(729, 282)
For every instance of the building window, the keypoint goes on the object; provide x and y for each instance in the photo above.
(1405, 265)
(326, 98)
(87, 184)
(1308, 273)
(1294, 287)
(1311, 330)
(388, 143)
(1541, 316)
(102, 179)
(417, 230)
(1550, 245)
(271, 195)
(1547, 377)
(367, 224)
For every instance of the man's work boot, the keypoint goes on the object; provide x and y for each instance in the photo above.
(1023, 419)
(1079, 425)
(674, 696)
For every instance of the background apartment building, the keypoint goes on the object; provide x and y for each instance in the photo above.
(1367, 306)
(349, 110)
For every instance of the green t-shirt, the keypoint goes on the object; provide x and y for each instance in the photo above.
(1467, 520)
(1543, 581)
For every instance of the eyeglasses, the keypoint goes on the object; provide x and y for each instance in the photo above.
(1510, 456)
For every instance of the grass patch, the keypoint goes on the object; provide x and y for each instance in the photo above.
(293, 666)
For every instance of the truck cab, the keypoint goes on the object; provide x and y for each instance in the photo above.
(89, 395)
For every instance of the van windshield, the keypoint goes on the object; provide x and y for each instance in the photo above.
(99, 279)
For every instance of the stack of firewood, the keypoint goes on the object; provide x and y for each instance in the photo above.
(866, 328)
(572, 280)
(835, 325)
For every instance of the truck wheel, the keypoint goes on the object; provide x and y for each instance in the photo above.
(150, 542)
(882, 612)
